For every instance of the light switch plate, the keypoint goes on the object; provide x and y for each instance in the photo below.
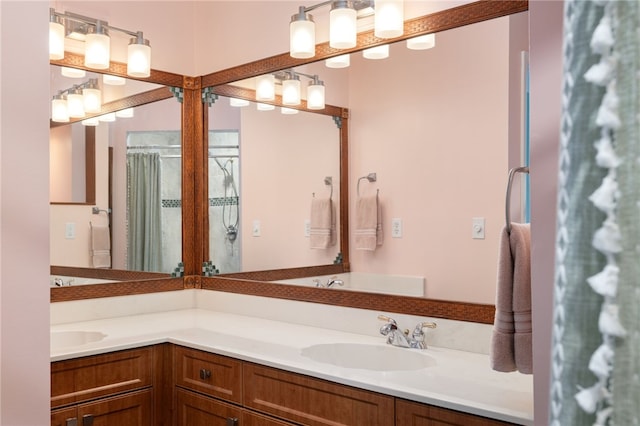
(307, 228)
(256, 228)
(477, 228)
(70, 230)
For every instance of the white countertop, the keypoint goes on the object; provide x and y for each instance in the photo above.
(458, 380)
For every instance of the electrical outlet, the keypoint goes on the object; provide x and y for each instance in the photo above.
(256, 228)
(396, 227)
(307, 228)
(70, 231)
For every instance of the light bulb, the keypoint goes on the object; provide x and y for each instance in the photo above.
(389, 18)
(56, 36)
(59, 111)
(97, 50)
(342, 25)
(302, 35)
(265, 87)
(139, 57)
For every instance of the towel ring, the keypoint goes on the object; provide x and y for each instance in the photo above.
(507, 207)
(371, 177)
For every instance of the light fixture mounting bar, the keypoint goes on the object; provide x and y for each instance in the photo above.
(74, 17)
(357, 5)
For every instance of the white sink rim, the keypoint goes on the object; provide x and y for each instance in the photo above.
(364, 356)
(71, 338)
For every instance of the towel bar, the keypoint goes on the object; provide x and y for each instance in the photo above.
(371, 177)
(512, 172)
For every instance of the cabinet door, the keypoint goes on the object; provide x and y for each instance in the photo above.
(198, 410)
(211, 374)
(91, 377)
(313, 402)
(132, 409)
(253, 419)
(410, 413)
(65, 417)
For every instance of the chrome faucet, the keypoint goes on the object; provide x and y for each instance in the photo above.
(330, 282)
(58, 282)
(396, 337)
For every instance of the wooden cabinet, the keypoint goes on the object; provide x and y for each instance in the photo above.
(109, 389)
(410, 413)
(198, 410)
(311, 401)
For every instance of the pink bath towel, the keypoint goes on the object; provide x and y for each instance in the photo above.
(368, 232)
(511, 341)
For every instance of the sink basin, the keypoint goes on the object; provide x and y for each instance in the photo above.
(63, 339)
(369, 357)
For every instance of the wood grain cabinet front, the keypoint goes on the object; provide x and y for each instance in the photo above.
(313, 402)
(410, 413)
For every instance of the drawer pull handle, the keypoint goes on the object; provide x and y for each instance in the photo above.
(87, 420)
(71, 422)
(205, 374)
(232, 421)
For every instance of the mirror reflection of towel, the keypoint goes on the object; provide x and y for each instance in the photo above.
(100, 246)
(322, 233)
(368, 232)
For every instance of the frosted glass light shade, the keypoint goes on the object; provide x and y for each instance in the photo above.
(302, 36)
(125, 113)
(315, 96)
(97, 49)
(56, 38)
(389, 18)
(72, 72)
(288, 111)
(377, 52)
(93, 121)
(342, 25)
(59, 111)
(107, 118)
(235, 102)
(291, 92)
(139, 58)
(75, 104)
(422, 42)
(92, 99)
(113, 80)
(264, 107)
(341, 61)
(265, 87)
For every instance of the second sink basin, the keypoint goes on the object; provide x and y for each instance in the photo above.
(369, 357)
(63, 339)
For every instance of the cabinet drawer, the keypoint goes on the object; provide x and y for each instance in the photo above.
(410, 413)
(211, 374)
(83, 379)
(313, 402)
(198, 410)
(130, 409)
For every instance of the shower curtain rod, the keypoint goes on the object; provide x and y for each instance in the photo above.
(210, 156)
(180, 146)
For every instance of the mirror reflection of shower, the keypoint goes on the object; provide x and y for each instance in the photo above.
(224, 200)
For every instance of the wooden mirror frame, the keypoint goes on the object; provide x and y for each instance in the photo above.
(194, 170)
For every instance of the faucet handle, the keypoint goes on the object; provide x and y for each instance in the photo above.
(388, 319)
(418, 330)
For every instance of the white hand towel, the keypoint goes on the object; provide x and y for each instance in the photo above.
(100, 246)
(322, 223)
(368, 232)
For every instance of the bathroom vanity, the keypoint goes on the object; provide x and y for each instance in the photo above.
(190, 364)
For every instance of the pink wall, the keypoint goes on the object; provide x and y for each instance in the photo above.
(24, 216)
(545, 19)
(436, 133)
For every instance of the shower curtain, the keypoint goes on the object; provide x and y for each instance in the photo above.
(596, 339)
(144, 203)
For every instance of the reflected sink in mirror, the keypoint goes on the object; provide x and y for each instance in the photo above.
(402, 285)
(63, 339)
(369, 357)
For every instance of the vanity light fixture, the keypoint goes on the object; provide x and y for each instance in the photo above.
(95, 33)
(92, 121)
(423, 42)
(76, 101)
(376, 52)
(235, 102)
(113, 80)
(290, 81)
(291, 89)
(288, 111)
(108, 117)
(264, 107)
(265, 87)
(315, 94)
(125, 113)
(388, 23)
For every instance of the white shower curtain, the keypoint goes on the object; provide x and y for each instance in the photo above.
(596, 339)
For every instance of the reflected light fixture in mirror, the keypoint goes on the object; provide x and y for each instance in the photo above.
(125, 113)
(108, 118)
(235, 102)
(92, 96)
(342, 61)
(288, 111)
(291, 89)
(59, 111)
(264, 107)
(265, 87)
(93, 121)
(72, 72)
(424, 42)
(389, 20)
(315, 94)
(76, 101)
(377, 52)
(97, 49)
(113, 80)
